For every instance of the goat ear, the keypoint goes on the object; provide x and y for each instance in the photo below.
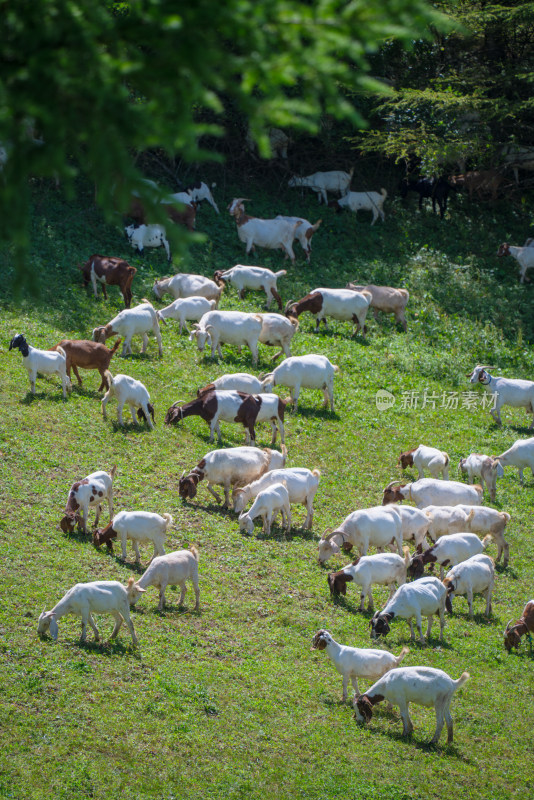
(54, 630)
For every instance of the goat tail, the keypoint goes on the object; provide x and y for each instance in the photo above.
(113, 471)
(479, 488)
(115, 347)
(168, 519)
(461, 680)
(403, 652)
(384, 193)
(61, 352)
(407, 556)
(405, 293)
(336, 368)
(447, 459)
(486, 540)
(316, 473)
(194, 551)
(109, 377)
(280, 273)
(505, 516)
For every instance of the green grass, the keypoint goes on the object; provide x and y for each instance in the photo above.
(230, 702)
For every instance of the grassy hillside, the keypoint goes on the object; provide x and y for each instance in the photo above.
(230, 702)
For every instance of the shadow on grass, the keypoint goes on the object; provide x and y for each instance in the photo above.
(49, 398)
(281, 535)
(312, 411)
(427, 747)
(508, 571)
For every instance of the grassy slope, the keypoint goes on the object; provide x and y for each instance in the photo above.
(230, 702)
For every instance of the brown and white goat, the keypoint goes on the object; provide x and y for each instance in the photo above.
(88, 355)
(90, 491)
(522, 627)
(110, 271)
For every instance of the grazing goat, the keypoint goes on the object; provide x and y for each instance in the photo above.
(322, 182)
(303, 233)
(301, 484)
(475, 575)
(436, 188)
(90, 491)
(132, 393)
(447, 552)
(45, 361)
(86, 599)
(271, 501)
(476, 519)
(520, 455)
(342, 304)
(363, 201)
(129, 323)
(138, 526)
(385, 569)
(273, 234)
(232, 467)
(87, 355)
(356, 662)
(169, 570)
(525, 625)
(187, 308)
(415, 523)
(254, 278)
(110, 271)
(232, 406)
(368, 527)
(431, 491)
(482, 183)
(523, 255)
(482, 467)
(422, 598)
(184, 284)
(309, 372)
(424, 686)
(424, 457)
(385, 299)
(505, 391)
(238, 381)
(228, 327)
(148, 236)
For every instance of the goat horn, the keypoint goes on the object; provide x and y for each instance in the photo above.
(182, 475)
(508, 626)
(288, 305)
(328, 536)
(178, 402)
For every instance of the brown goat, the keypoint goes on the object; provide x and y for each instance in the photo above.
(525, 625)
(109, 270)
(482, 183)
(88, 355)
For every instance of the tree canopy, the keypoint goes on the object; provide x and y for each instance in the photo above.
(86, 84)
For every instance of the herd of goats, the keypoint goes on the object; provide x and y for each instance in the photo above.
(449, 513)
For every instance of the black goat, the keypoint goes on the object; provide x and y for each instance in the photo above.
(435, 188)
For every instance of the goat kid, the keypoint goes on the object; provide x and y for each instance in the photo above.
(90, 491)
(132, 393)
(171, 569)
(139, 527)
(271, 501)
(385, 569)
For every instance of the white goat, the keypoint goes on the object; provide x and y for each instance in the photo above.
(431, 491)
(187, 308)
(129, 323)
(170, 569)
(342, 304)
(304, 232)
(419, 599)
(184, 284)
(415, 523)
(476, 519)
(253, 278)
(307, 372)
(475, 575)
(238, 381)
(148, 236)
(424, 457)
(322, 182)
(385, 569)
(128, 392)
(302, 485)
(231, 468)
(363, 201)
(273, 234)
(368, 527)
(139, 527)
(86, 599)
(228, 327)
(520, 455)
(505, 391)
(278, 331)
(90, 491)
(45, 361)
(356, 662)
(447, 552)
(523, 255)
(271, 501)
(482, 467)
(425, 686)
